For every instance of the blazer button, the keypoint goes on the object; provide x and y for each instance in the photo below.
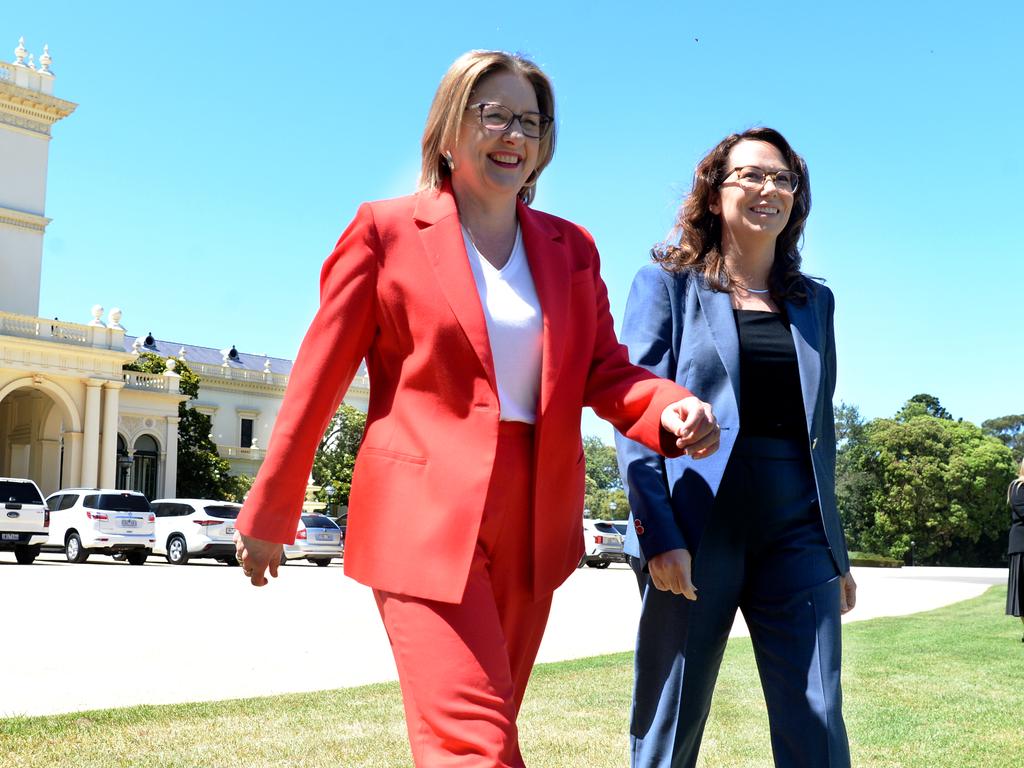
(814, 444)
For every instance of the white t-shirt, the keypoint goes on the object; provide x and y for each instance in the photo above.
(514, 326)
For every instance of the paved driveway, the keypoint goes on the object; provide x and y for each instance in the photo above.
(106, 634)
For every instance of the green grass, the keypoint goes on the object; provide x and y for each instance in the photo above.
(943, 689)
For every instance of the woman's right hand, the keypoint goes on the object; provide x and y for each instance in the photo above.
(671, 571)
(256, 556)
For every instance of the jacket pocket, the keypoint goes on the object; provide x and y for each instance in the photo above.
(383, 453)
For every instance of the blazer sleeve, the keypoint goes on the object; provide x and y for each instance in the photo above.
(648, 332)
(337, 340)
(628, 396)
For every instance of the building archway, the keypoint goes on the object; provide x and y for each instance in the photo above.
(145, 465)
(40, 434)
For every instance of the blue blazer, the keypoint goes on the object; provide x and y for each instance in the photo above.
(681, 329)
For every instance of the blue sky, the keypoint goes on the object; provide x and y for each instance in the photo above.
(220, 148)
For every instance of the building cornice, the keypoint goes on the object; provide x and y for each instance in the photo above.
(31, 110)
(23, 220)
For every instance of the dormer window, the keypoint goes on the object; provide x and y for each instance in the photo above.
(149, 340)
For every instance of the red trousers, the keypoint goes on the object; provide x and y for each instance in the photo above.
(463, 667)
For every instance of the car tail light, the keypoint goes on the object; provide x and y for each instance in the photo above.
(599, 539)
(301, 534)
(205, 523)
(46, 517)
(152, 517)
(96, 515)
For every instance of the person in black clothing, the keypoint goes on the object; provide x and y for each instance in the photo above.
(1015, 588)
(726, 308)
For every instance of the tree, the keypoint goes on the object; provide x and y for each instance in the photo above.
(335, 456)
(854, 485)
(202, 473)
(925, 403)
(925, 478)
(1010, 430)
(604, 497)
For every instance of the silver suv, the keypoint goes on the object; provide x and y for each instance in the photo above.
(25, 520)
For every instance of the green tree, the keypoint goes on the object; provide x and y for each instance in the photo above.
(1009, 429)
(925, 403)
(604, 497)
(335, 456)
(925, 478)
(854, 484)
(202, 473)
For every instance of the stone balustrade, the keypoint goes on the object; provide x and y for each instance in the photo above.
(29, 327)
(152, 382)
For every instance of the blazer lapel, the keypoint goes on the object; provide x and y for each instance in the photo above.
(807, 340)
(549, 268)
(441, 235)
(717, 308)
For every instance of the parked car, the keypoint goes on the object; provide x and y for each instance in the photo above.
(100, 521)
(187, 529)
(602, 541)
(318, 539)
(25, 524)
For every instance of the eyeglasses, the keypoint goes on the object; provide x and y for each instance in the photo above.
(498, 117)
(752, 177)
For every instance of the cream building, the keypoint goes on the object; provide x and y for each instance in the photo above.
(69, 415)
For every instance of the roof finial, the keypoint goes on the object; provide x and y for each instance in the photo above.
(31, 62)
(45, 61)
(20, 53)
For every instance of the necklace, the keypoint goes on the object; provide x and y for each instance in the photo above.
(756, 290)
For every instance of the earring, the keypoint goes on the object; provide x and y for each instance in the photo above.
(447, 155)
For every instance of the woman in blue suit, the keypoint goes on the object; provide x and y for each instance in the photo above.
(726, 312)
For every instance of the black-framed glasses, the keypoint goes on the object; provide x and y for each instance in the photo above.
(498, 117)
(752, 177)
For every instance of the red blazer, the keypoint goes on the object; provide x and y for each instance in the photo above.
(398, 290)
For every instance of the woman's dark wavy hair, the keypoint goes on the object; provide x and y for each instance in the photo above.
(695, 242)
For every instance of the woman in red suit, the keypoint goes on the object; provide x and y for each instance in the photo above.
(485, 329)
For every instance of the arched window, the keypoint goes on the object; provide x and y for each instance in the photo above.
(144, 466)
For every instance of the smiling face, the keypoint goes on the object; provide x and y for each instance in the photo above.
(492, 166)
(747, 213)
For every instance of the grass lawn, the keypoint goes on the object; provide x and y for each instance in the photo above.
(943, 689)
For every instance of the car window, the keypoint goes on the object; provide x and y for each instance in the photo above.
(90, 501)
(620, 527)
(13, 492)
(223, 511)
(605, 528)
(122, 502)
(319, 521)
(68, 500)
(159, 510)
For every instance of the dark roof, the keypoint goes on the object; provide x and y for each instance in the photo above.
(193, 354)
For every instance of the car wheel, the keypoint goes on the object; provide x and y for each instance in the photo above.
(598, 564)
(137, 557)
(177, 550)
(25, 554)
(582, 562)
(284, 559)
(74, 551)
(323, 563)
(232, 561)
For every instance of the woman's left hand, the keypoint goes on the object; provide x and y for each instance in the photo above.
(847, 593)
(694, 426)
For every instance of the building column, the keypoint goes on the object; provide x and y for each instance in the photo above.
(91, 438)
(49, 466)
(72, 477)
(108, 444)
(171, 459)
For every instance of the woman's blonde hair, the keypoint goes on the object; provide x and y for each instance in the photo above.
(449, 106)
(1017, 481)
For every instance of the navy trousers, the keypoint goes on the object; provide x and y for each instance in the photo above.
(763, 551)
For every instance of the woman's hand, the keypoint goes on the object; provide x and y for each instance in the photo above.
(670, 572)
(694, 426)
(256, 556)
(847, 593)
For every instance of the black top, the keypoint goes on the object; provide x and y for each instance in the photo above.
(1017, 519)
(771, 402)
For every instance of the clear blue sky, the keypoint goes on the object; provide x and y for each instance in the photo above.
(220, 148)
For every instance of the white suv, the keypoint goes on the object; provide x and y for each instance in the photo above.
(193, 528)
(24, 519)
(603, 540)
(89, 521)
(318, 538)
